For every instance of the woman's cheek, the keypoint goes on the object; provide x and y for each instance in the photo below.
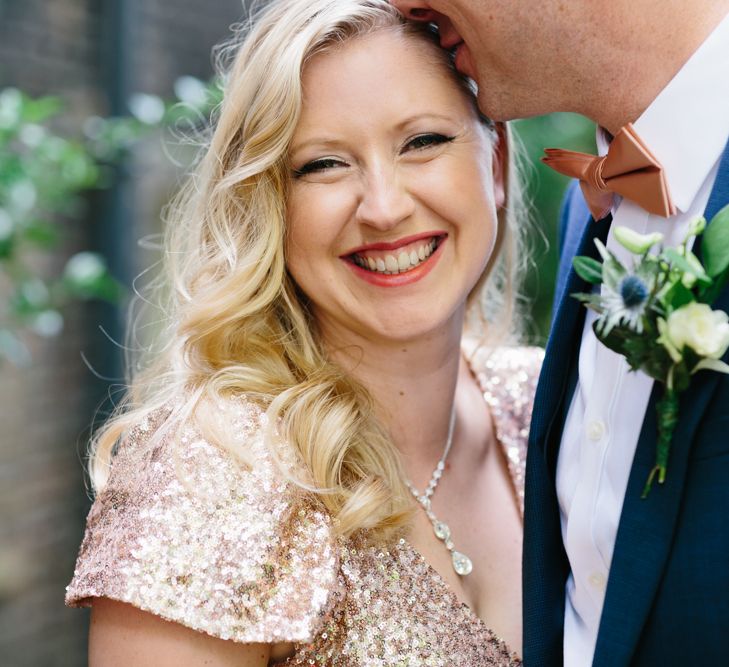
(456, 188)
(321, 212)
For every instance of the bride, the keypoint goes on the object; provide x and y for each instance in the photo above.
(321, 469)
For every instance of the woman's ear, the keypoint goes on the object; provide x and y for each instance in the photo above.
(500, 165)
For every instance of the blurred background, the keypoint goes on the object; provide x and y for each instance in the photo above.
(94, 95)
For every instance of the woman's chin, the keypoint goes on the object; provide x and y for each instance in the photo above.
(419, 326)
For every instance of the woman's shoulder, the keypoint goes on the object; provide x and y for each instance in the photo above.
(199, 525)
(507, 377)
(505, 369)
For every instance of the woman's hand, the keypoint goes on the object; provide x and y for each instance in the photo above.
(122, 635)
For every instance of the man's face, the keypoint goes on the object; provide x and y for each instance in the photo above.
(516, 50)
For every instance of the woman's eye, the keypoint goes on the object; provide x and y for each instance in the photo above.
(427, 140)
(315, 166)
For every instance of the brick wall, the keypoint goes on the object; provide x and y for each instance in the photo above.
(65, 47)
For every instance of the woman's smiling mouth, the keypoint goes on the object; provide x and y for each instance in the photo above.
(409, 257)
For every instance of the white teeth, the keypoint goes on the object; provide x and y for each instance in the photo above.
(403, 261)
(392, 265)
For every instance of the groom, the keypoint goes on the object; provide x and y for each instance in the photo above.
(609, 578)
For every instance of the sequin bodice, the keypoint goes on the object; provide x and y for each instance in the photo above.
(184, 531)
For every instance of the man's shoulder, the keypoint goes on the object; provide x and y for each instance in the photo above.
(573, 215)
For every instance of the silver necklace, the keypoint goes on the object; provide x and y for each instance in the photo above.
(461, 563)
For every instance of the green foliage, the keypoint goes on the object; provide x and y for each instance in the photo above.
(715, 247)
(545, 191)
(656, 313)
(44, 178)
(45, 175)
(590, 270)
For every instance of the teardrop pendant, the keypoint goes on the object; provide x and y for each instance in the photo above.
(441, 530)
(461, 563)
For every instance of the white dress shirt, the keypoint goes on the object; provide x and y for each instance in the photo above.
(686, 128)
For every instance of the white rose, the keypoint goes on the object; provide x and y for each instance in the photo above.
(697, 326)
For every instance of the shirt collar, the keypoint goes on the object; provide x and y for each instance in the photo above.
(687, 126)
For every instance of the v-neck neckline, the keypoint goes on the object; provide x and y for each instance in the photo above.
(486, 393)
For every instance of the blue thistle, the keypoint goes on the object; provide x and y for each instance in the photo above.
(633, 291)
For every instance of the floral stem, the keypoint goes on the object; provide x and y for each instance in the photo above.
(667, 409)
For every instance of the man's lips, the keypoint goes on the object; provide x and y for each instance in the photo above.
(450, 40)
(463, 62)
(448, 36)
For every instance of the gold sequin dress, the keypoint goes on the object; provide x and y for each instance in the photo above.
(188, 534)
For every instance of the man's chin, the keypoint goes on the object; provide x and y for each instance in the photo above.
(487, 106)
(498, 108)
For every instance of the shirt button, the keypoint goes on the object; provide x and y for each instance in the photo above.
(596, 430)
(598, 581)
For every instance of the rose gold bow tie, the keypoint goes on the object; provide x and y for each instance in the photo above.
(629, 169)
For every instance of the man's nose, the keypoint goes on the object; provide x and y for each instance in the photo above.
(384, 202)
(418, 10)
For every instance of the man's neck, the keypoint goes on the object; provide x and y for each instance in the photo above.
(642, 61)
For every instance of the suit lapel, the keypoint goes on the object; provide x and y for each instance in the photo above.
(647, 526)
(720, 194)
(565, 332)
(545, 562)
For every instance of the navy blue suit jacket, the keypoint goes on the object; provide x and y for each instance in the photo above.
(667, 597)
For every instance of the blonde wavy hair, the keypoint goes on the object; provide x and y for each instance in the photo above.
(234, 320)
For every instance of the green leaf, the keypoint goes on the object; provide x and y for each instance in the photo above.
(591, 301)
(7, 246)
(31, 296)
(676, 296)
(615, 340)
(681, 263)
(636, 348)
(657, 362)
(715, 244)
(710, 293)
(588, 269)
(42, 234)
(681, 377)
(40, 109)
(102, 286)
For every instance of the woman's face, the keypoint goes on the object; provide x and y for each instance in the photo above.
(391, 212)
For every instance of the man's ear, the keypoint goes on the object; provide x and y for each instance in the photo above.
(500, 165)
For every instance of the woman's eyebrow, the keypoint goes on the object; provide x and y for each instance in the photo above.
(425, 116)
(321, 141)
(325, 141)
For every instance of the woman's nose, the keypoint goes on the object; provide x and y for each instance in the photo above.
(384, 202)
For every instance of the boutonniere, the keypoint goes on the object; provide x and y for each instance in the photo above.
(657, 312)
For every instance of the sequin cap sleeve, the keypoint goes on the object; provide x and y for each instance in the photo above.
(508, 379)
(184, 531)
